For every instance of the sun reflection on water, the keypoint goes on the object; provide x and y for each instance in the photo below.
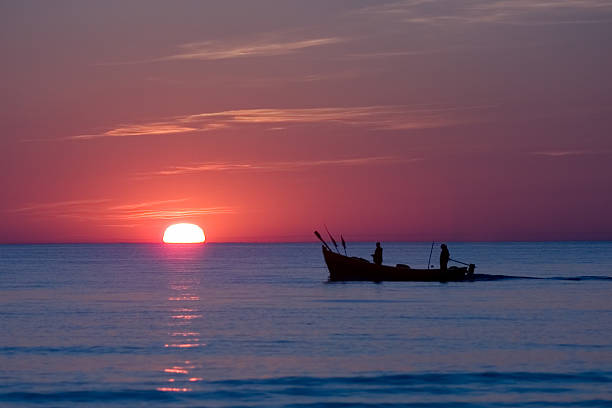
(183, 287)
(171, 389)
(183, 298)
(184, 334)
(186, 317)
(185, 345)
(176, 370)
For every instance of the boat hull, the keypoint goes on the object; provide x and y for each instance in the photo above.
(344, 268)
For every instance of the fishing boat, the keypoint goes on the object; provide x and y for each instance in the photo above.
(351, 268)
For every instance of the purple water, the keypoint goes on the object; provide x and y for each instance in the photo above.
(227, 325)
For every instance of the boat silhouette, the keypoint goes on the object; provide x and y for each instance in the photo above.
(351, 268)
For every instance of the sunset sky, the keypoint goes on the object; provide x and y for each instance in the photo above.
(411, 120)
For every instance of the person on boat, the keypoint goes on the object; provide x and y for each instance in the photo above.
(444, 257)
(377, 255)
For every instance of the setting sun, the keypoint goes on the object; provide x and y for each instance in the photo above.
(184, 234)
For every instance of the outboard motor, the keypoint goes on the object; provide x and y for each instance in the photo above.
(471, 269)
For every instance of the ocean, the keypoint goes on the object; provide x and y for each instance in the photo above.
(258, 325)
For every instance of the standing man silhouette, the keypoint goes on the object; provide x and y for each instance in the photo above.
(377, 255)
(444, 257)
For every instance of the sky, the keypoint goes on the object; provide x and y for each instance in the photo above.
(260, 121)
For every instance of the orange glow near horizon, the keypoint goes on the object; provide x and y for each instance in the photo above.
(184, 234)
(351, 118)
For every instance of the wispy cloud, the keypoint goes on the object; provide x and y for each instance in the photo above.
(376, 117)
(149, 129)
(263, 46)
(100, 210)
(168, 214)
(563, 153)
(431, 51)
(400, 53)
(134, 206)
(521, 12)
(51, 206)
(277, 166)
(214, 50)
(352, 73)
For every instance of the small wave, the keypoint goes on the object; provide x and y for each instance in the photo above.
(583, 278)
(360, 301)
(85, 396)
(430, 378)
(439, 389)
(10, 350)
(460, 404)
(485, 277)
(482, 277)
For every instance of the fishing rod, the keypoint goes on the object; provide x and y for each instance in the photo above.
(343, 244)
(323, 241)
(331, 238)
(459, 262)
(430, 251)
(471, 267)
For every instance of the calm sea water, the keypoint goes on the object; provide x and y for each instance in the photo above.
(228, 325)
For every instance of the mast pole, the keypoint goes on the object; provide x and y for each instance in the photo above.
(430, 251)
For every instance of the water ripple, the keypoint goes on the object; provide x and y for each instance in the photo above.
(379, 390)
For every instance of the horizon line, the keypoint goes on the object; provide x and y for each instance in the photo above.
(296, 242)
